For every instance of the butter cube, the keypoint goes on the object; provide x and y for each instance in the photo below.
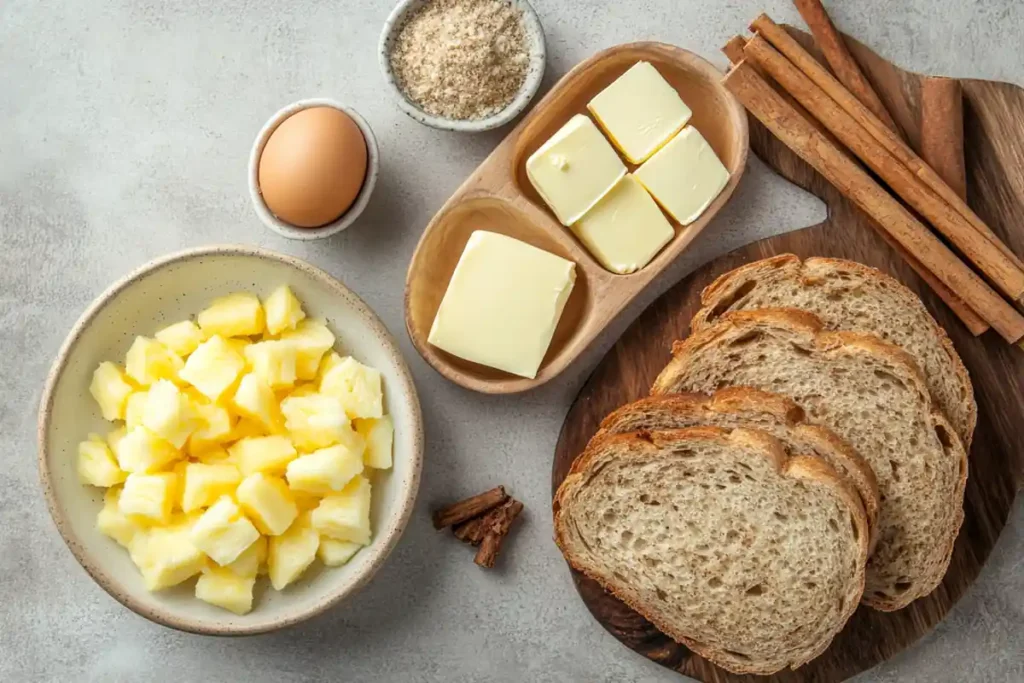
(324, 471)
(168, 413)
(224, 588)
(255, 400)
(116, 524)
(204, 484)
(640, 112)
(503, 304)
(291, 553)
(213, 367)
(283, 310)
(684, 176)
(270, 454)
(234, 315)
(110, 388)
(96, 464)
(143, 451)
(168, 557)
(345, 516)
(318, 421)
(223, 532)
(574, 169)
(312, 340)
(379, 435)
(149, 495)
(267, 502)
(357, 386)
(148, 361)
(334, 553)
(134, 409)
(273, 362)
(625, 229)
(248, 563)
(182, 338)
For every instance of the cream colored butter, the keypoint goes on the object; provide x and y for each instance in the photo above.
(625, 229)
(574, 169)
(503, 304)
(684, 176)
(640, 112)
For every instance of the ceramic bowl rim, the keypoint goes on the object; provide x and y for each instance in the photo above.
(105, 579)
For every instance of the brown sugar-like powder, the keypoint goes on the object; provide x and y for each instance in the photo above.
(461, 59)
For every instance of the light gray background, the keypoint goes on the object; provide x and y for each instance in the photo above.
(125, 127)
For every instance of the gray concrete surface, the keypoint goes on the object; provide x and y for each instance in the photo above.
(124, 131)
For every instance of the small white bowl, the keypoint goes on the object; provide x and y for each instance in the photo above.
(164, 291)
(346, 219)
(538, 58)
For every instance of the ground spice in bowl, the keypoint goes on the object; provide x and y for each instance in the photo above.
(461, 59)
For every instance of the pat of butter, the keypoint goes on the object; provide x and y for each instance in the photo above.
(625, 229)
(684, 176)
(503, 304)
(640, 111)
(574, 169)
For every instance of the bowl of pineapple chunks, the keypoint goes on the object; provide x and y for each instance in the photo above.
(230, 441)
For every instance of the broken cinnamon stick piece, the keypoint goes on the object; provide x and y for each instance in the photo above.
(470, 531)
(496, 526)
(459, 512)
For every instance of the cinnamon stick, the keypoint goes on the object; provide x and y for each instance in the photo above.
(850, 131)
(805, 62)
(471, 531)
(797, 133)
(942, 130)
(844, 66)
(469, 508)
(496, 526)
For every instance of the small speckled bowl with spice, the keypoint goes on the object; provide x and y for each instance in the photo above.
(532, 68)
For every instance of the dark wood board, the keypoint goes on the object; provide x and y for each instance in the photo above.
(994, 144)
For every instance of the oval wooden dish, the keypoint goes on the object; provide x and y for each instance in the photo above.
(499, 197)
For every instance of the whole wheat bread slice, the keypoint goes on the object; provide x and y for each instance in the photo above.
(852, 297)
(872, 395)
(749, 557)
(750, 408)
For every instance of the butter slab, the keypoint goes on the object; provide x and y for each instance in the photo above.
(684, 176)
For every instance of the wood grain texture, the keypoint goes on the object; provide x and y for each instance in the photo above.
(994, 143)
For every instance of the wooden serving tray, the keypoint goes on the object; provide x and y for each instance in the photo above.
(994, 132)
(499, 197)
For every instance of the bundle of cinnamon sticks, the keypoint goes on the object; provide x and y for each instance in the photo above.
(482, 520)
(832, 121)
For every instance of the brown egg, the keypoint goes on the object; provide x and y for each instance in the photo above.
(312, 167)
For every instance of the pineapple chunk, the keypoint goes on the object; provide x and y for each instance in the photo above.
(168, 557)
(213, 425)
(213, 367)
(134, 409)
(248, 563)
(246, 428)
(182, 338)
(270, 454)
(283, 310)
(345, 516)
(114, 439)
(291, 553)
(111, 389)
(268, 502)
(379, 435)
(305, 501)
(149, 495)
(168, 413)
(223, 532)
(225, 588)
(96, 464)
(143, 451)
(148, 361)
(313, 340)
(317, 421)
(329, 361)
(357, 386)
(209, 454)
(205, 483)
(255, 400)
(116, 524)
(234, 315)
(273, 362)
(334, 553)
(324, 471)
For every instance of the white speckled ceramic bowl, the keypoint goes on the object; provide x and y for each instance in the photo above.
(164, 291)
(362, 199)
(538, 58)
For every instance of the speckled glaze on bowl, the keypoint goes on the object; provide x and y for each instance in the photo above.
(164, 291)
(362, 199)
(535, 72)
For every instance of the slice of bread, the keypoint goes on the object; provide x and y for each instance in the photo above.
(750, 408)
(749, 557)
(872, 395)
(855, 298)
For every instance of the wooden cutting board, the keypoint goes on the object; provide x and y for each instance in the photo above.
(994, 143)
